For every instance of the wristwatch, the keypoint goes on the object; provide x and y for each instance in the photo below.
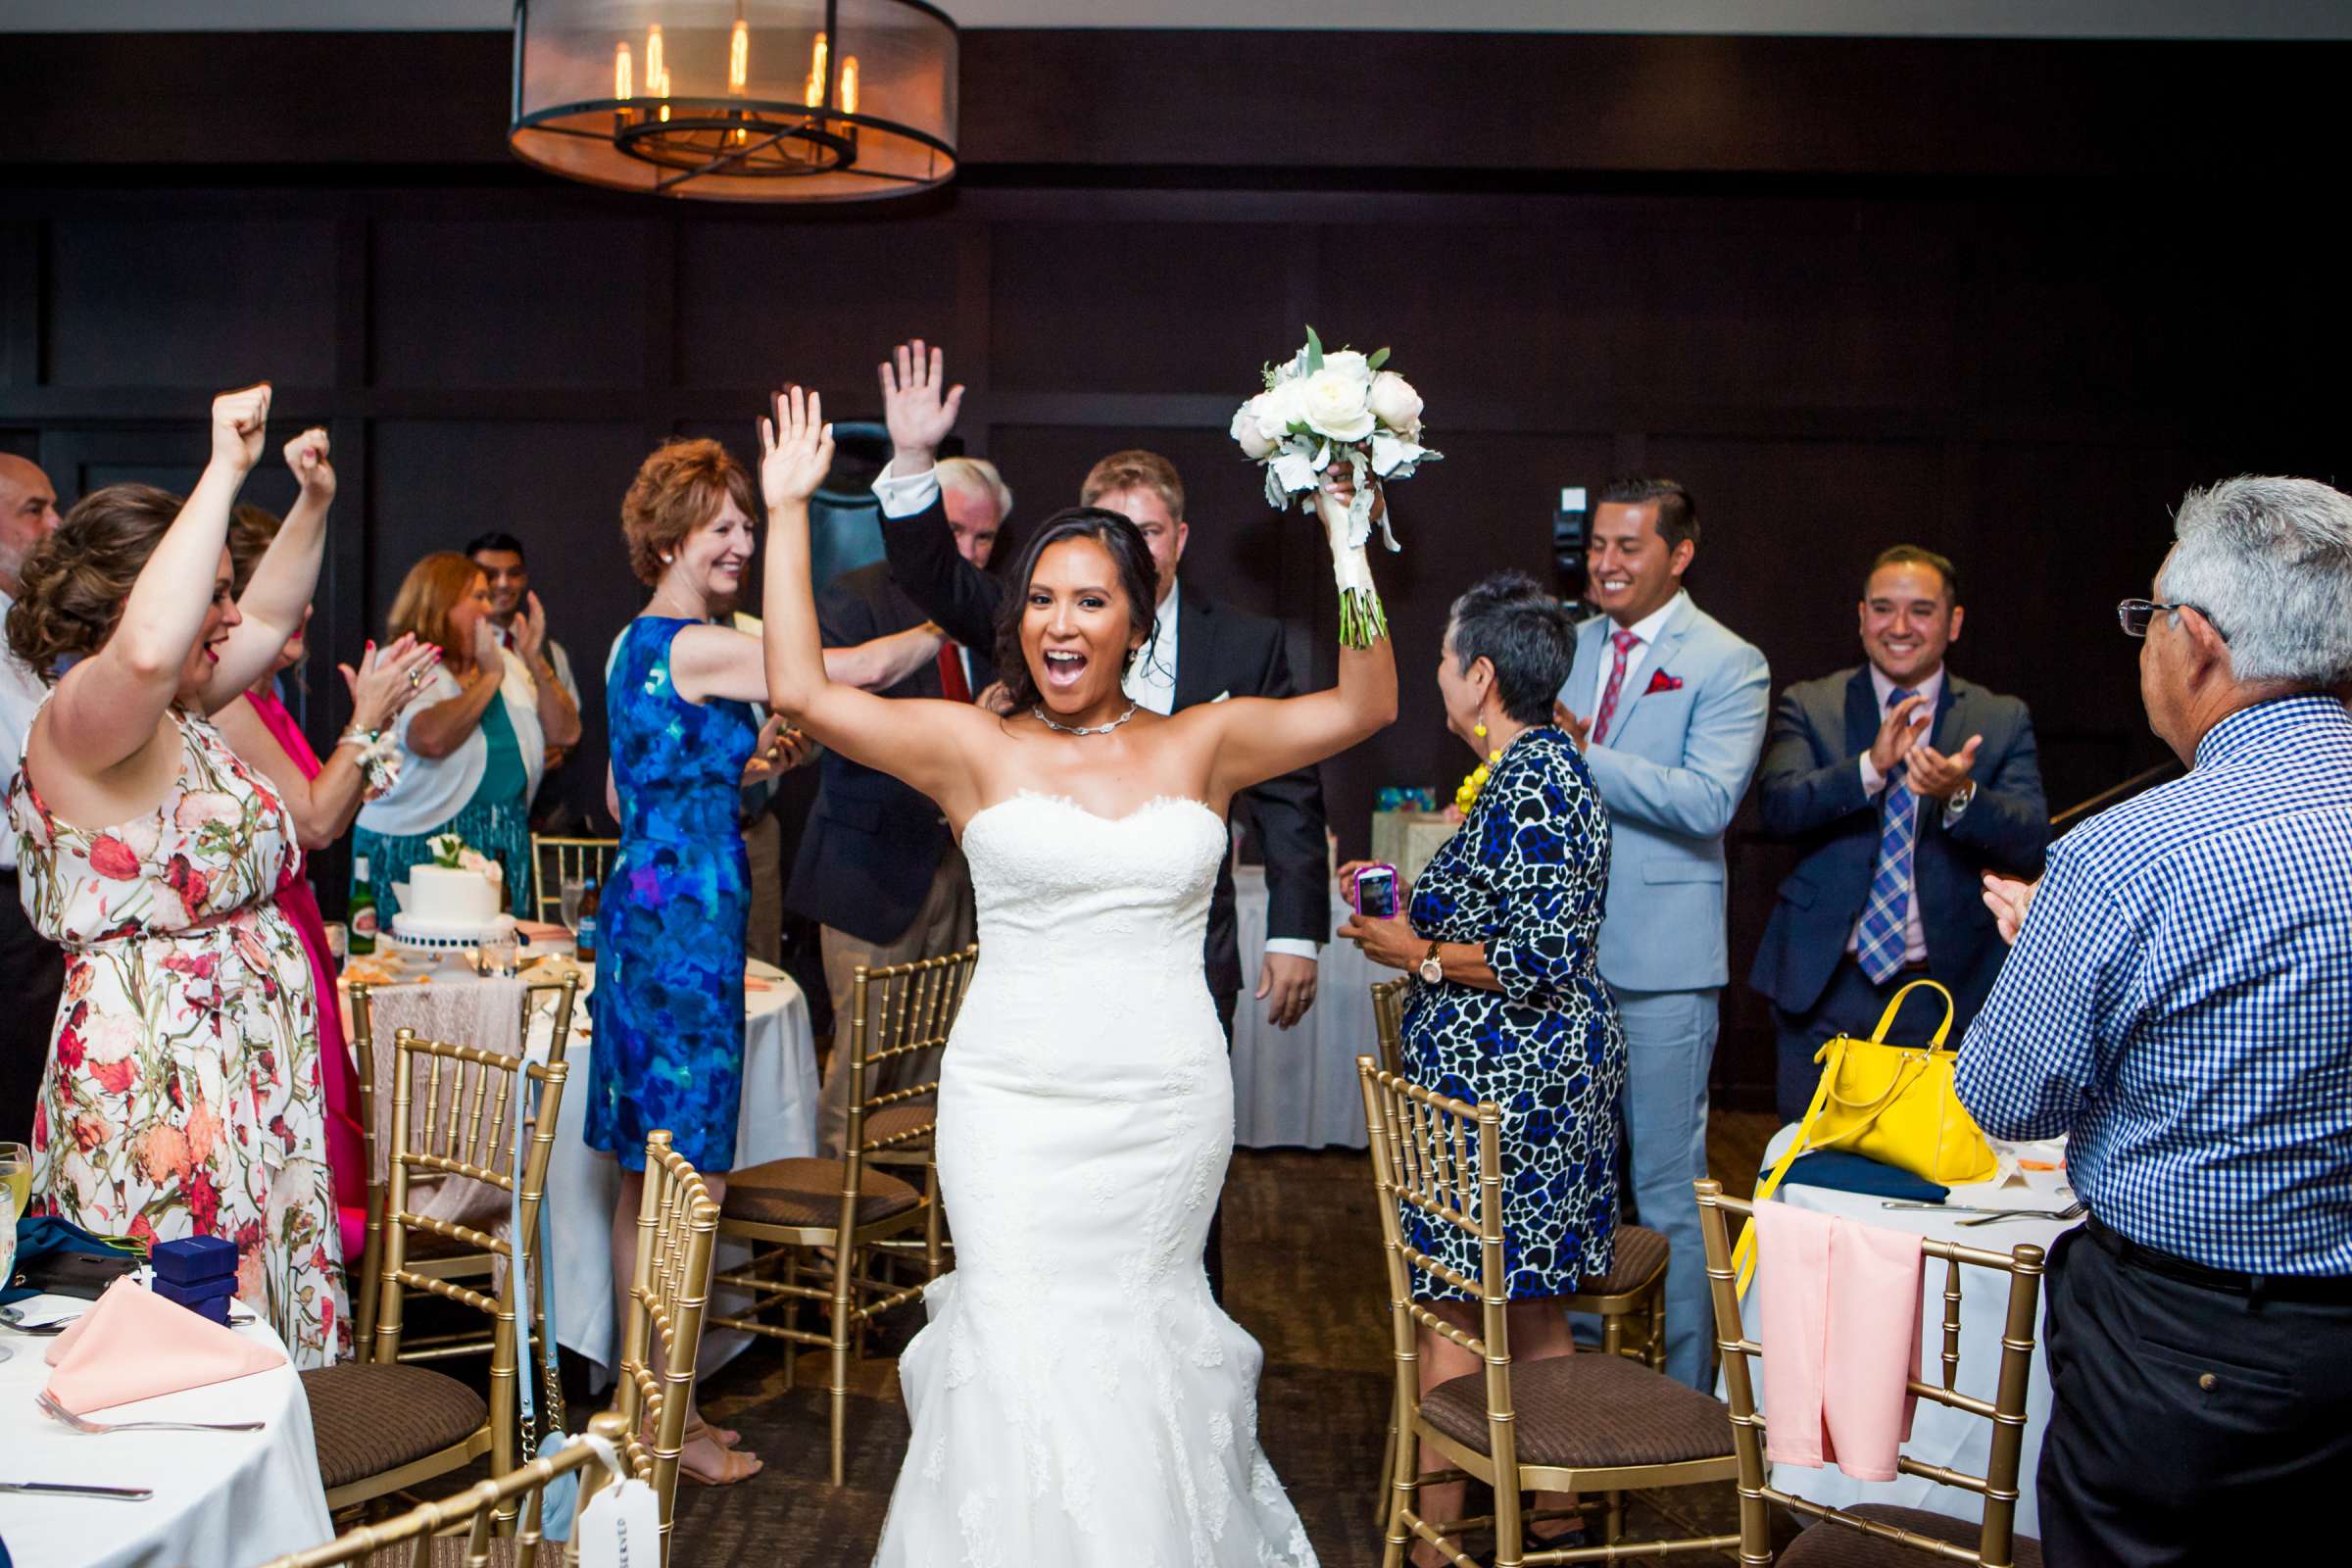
(1432, 971)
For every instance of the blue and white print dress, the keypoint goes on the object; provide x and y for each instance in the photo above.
(1526, 878)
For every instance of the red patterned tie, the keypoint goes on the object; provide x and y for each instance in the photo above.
(951, 684)
(1625, 641)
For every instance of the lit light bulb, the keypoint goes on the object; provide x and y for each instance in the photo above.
(816, 63)
(739, 57)
(625, 79)
(657, 75)
(848, 84)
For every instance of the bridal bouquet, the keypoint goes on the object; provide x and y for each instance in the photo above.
(1320, 409)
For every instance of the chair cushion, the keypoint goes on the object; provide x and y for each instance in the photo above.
(1828, 1546)
(1639, 1257)
(367, 1419)
(449, 1551)
(1589, 1410)
(807, 1193)
(892, 1120)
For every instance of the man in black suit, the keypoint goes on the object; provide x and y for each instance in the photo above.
(1201, 651)
(1904, 783)
(877, 868)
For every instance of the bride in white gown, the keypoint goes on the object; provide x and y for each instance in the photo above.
(1077, 1397)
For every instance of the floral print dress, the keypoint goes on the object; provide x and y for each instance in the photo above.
(184, 1094)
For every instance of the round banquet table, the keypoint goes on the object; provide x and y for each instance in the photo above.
(777, 1121)
(221, 1497)
(1298, 1088)
(1940, 1435)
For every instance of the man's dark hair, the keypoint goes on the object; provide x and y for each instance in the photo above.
(1128, 552)
(1915, 555)
(496, 539)
(1678, 512)
(1525, 633)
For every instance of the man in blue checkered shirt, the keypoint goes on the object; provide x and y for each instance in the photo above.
(2178, 999)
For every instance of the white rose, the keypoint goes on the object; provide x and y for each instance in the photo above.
(1335, 405)
(1350, 363)
(1248, 431)
(1394, 403)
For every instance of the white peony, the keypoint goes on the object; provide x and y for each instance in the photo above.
(1335, 405)
(1394, 403)
(1248, 431)
(1350, 363)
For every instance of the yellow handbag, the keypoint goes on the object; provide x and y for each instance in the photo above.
(1891, 1104)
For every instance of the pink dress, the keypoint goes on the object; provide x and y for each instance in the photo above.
(184, 1094)
(346, 1143)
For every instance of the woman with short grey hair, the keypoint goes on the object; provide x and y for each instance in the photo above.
(1507, 1003)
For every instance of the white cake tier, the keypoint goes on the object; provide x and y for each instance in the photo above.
(445, 896)
(414, 928)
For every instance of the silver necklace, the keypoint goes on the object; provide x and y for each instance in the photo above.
(1047, 719)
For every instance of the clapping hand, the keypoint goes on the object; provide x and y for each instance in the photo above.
(240, 419)
(388, 680)
(796, 449)
(2009, 899)
(305, 455)
(1940, 777)
(917, 403)
(530, 631)
(1898, 732)
(489, 650)
(1579, 729)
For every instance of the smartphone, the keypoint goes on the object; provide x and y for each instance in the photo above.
(1374, 893)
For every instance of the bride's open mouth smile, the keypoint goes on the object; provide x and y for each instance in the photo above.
(1065, 668)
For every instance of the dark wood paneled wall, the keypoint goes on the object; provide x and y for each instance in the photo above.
(1837, 339)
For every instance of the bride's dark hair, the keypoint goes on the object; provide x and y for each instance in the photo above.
(1138, 578)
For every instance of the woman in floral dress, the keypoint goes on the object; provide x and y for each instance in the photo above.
(184, 1094)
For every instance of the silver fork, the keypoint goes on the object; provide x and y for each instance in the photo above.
(2067, 1213)
(50, 1407)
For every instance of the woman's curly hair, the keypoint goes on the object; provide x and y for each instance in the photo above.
(678, 488)
(74, 581)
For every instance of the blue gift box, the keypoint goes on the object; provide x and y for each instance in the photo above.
(209, 1298)
(195, 1260)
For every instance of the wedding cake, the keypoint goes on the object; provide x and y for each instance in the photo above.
(460, 893)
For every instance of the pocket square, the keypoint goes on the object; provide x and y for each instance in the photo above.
(1660, 681)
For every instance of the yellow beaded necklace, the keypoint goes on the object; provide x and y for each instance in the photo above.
(1467, 796)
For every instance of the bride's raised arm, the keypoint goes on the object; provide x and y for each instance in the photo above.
(1259, 738)
(933, 746)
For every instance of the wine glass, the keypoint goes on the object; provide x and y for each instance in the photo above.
(16, 1186)
(574, 890)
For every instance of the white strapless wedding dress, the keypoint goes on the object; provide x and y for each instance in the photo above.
(1077, 1397)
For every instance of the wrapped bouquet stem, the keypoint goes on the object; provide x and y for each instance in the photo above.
(1319, 411)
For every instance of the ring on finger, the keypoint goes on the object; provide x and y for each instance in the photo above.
(416, 680)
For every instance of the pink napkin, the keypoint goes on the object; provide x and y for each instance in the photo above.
(1840, 1333)
(135, 1345)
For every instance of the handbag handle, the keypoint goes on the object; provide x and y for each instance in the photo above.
(1894, 1004)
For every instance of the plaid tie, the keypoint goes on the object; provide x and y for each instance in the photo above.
(1625, 641)
(1879, 939)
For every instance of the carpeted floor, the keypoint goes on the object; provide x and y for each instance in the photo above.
(1301, 1249)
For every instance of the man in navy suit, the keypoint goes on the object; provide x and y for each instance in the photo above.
(1904, 783)
(878, 870)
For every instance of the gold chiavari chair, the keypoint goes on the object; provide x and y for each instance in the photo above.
(380, 1424)
(906, 1020)
(435, 1255)
(1571, 1423)
(677, 1245)
(1873, 1534)
(426, 1537)
(1387, 1016)
(553, 859)
(821, 1215)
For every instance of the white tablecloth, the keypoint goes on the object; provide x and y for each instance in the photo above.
(777, 1121)
(221, 1498)
(1940, 1435)
(1298, 1088)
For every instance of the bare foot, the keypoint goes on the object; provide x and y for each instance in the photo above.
(706, 1463)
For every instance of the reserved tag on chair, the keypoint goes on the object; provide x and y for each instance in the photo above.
(621, 1527)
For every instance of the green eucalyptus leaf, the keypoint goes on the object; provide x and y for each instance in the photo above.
(1314, 352)
(1378, 360)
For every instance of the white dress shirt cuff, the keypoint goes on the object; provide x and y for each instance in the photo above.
(903, 495)
(1296, 947)
(1873, 780)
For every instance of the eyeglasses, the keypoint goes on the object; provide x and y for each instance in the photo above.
(2134, 616)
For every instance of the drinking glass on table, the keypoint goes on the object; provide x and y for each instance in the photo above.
(15, 1188)
(574, 889)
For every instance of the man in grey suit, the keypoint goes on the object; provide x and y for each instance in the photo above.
(1669, 707)
(1905, 784)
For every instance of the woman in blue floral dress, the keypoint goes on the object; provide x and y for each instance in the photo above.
(1510, 909)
